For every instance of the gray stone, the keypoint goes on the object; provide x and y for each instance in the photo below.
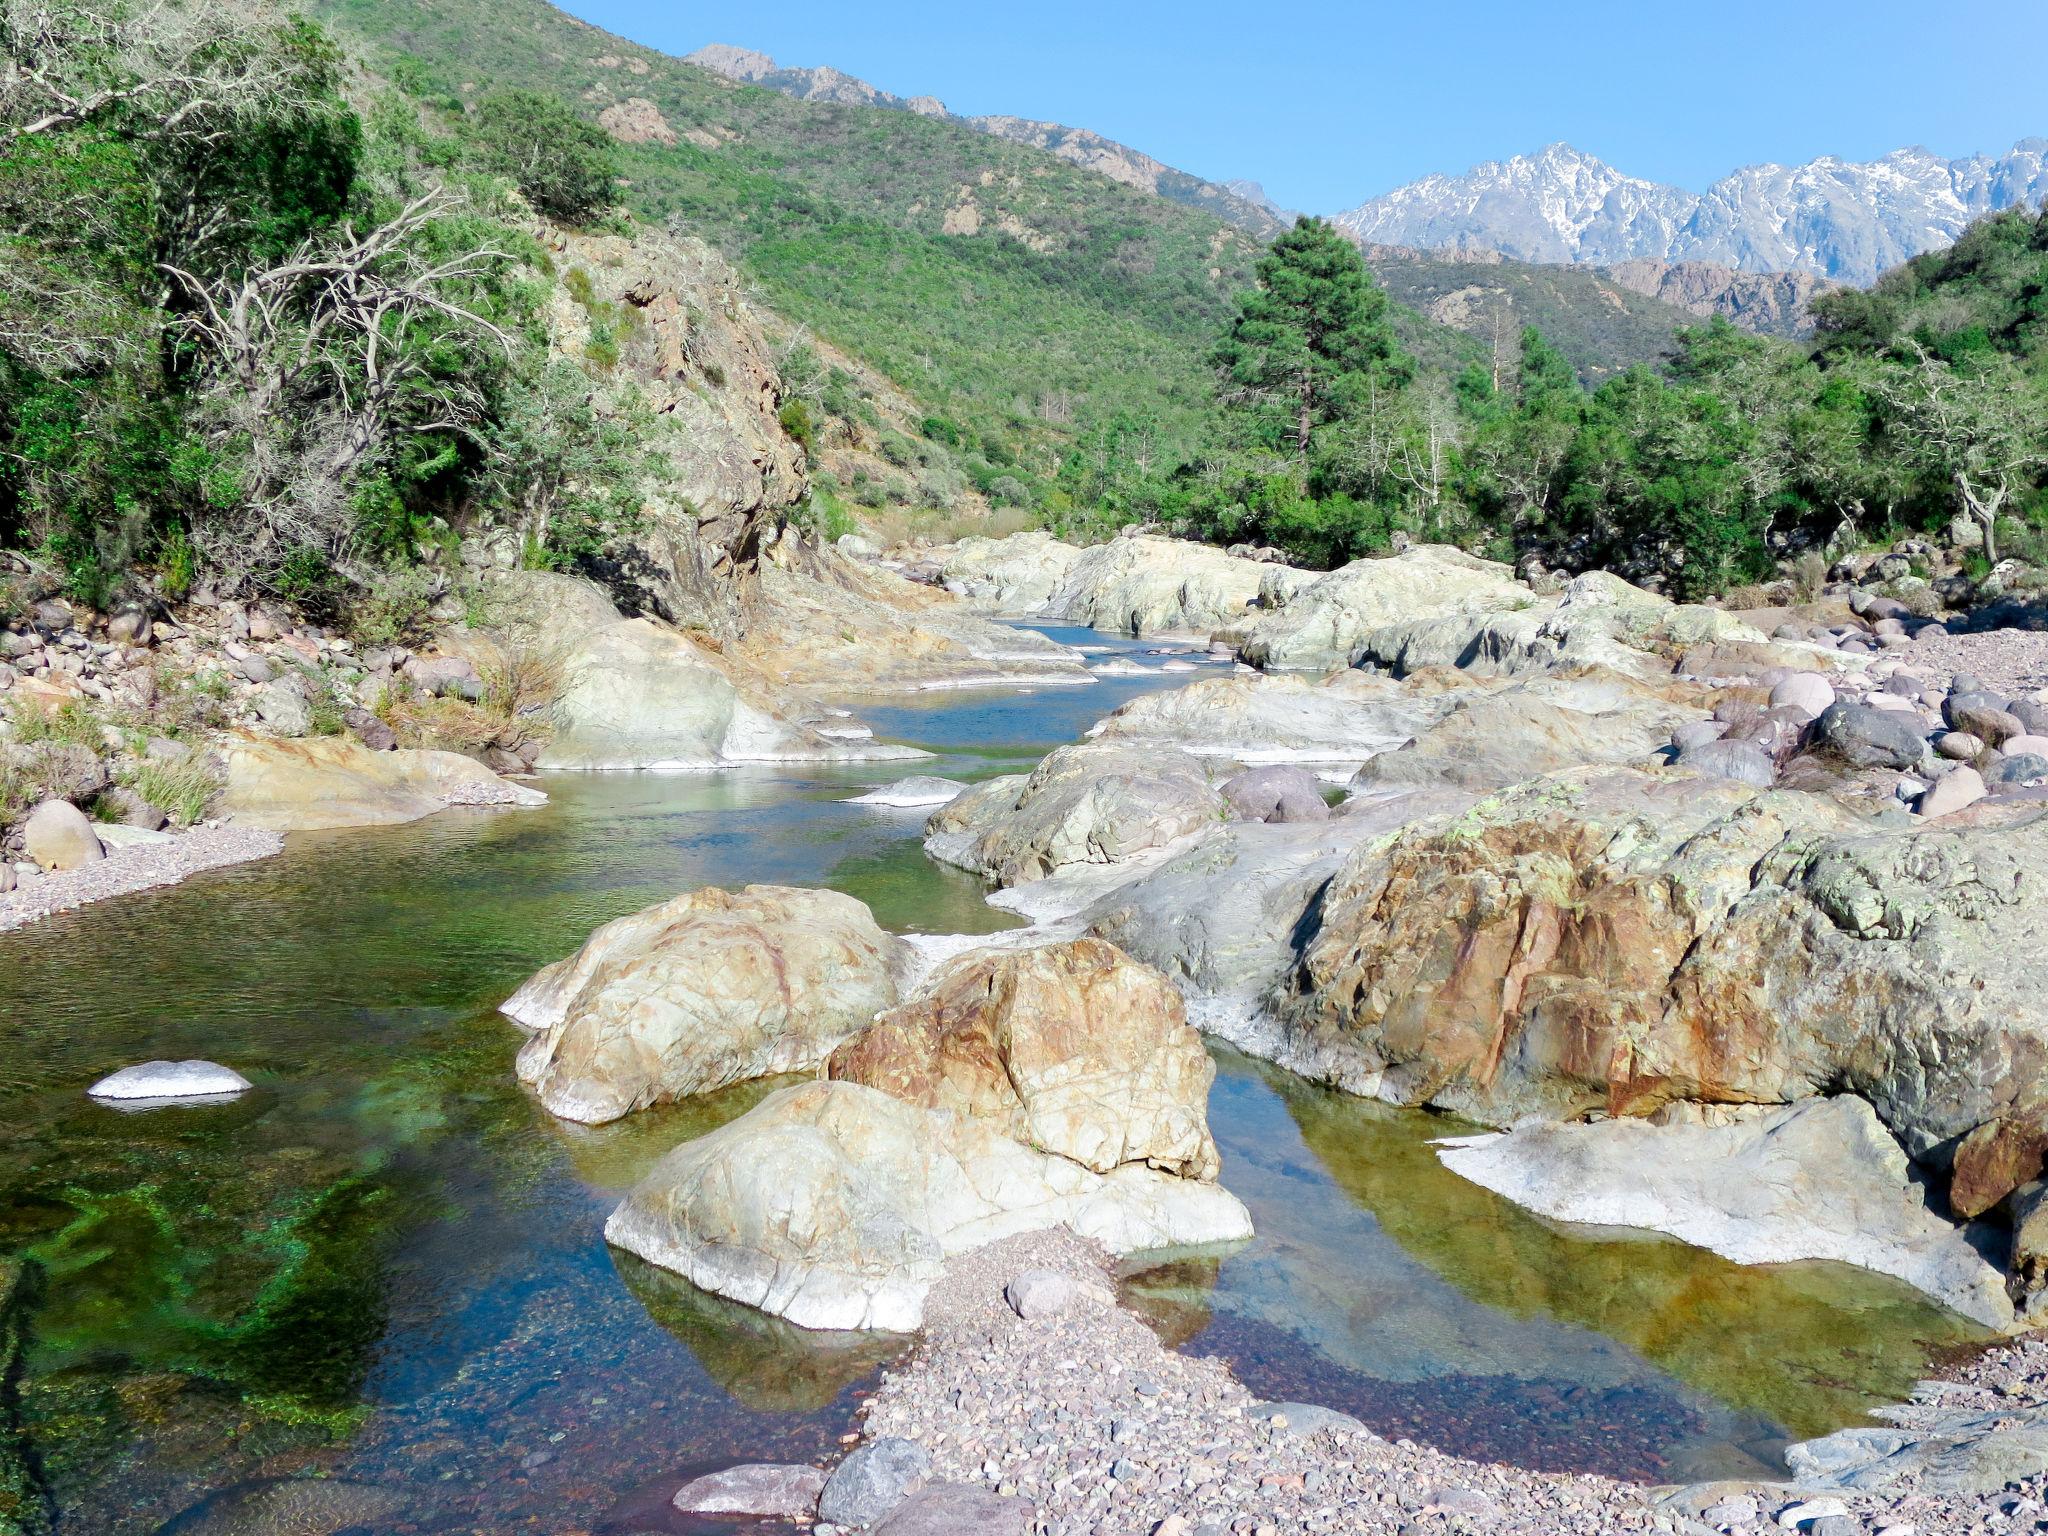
(1983, 715)
(58, 836)
(129, 627)
(1697, 733)
(769, 1489)
(171, 1080)
(135, 811)
(1807, 692)
(370, 731)
(1042, 1293)
(1958, 746)
(1280, 793)
(1291, 1421)
(1870, 738)
(1794, 1516)
(281, 705)
(958, 1509)
(2018, 770)
(1741, 761)
(1960, 787)
(2033, 714)
(867, 1487)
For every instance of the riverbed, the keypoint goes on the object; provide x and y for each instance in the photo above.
(385, 1263)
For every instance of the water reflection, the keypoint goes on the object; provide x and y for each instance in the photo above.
(1434, 1309)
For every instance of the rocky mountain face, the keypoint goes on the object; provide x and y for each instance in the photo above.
(1078, 146)
(1775, 303)
(1830, 217)
(668, 327)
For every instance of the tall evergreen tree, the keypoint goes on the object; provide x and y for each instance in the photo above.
(1309, 339)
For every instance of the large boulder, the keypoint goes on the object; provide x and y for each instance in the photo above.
(1074, 1048)
(637, 694)
(1095, 803)
(1534, 727)
(1817, 1180)
(1145, 585)
(1279, 718)
(1021, 576)
(1516, 958)
(1277, 792)
(705, 990)
(1328, 622)
(837, 1206)
(336, 781)
(1864, 737)
(1609, 940)
(59, 836)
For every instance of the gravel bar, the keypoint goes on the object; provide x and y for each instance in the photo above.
(141, 868)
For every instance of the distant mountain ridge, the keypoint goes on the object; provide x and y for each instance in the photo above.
(1837, 219)
(1077, 146)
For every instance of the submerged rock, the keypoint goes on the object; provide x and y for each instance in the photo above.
(918, 791)
(705, 990)
(300, 1506)
(836, 1205)
(1817, 1180)
(171, 1080)
(768, 1489)
(1073, 1048)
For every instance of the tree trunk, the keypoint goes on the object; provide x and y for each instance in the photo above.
(1305, 420)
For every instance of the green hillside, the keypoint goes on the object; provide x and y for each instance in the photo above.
(1073, 299)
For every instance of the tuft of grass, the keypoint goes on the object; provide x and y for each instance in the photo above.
(73, 723)
(181, 787)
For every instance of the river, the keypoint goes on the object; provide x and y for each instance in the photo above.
(384, 1263)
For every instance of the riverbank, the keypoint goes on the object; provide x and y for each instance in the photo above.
(1074, 1406)
(136, 867)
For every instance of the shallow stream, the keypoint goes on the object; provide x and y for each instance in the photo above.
(385, 1263)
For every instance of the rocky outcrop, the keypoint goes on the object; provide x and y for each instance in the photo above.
(1326, 623)
(1138, 584)
(1770, 303)
(826, 622)
(336, 781)
(637, 694)
(1021, 576)
(705, 990)
(1612, 940)
(1074, 1048)
(1096, 803)
(1816, 1180)
(690, 346)
(1492, 739)
(1145, 585)
(1277, 718)
(836, 1205)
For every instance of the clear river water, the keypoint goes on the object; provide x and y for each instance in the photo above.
(384, 1264)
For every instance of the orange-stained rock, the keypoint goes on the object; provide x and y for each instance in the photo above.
(1073, 1048)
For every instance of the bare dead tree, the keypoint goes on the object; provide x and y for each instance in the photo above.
(310, 359)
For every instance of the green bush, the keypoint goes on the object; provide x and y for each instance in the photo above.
(563, 166)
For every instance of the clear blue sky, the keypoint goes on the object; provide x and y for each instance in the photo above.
(1329, 103)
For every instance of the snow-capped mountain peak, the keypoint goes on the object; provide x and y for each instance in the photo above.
(1838, 218)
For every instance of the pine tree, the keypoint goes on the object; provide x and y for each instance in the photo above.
(1310, 339)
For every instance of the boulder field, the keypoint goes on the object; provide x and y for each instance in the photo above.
(1602, 857)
